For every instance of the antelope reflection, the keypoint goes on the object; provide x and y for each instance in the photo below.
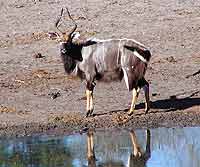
(136, 159)
(90, 149)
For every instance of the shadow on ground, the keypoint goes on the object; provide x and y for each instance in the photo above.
(166, 105)
(173, 104)
(194, 74)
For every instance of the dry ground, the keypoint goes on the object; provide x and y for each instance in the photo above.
(31, 71)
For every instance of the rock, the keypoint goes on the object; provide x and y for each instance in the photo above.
(54, 95)
(38, 56)
(171, 59)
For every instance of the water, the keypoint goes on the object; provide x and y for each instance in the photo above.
(162, 147)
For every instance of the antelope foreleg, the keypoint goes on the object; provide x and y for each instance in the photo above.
(134, 99)
(89, 107)
(88, 100)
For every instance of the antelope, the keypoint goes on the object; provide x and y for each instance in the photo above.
(104, 60)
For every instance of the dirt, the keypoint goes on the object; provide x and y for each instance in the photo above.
(36, 96)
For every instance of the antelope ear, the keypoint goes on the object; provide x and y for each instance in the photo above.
(76, 35)
(54, 36)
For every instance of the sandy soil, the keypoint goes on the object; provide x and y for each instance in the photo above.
(37, 96)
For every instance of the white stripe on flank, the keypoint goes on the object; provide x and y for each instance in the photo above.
(107, 40)
(126, 78)
(134, 41)
(140, 57)
(104, 56)
(118, 52)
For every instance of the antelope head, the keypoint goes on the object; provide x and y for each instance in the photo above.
(70, 52)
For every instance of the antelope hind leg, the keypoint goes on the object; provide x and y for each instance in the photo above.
(91, 107)
(145, 85)
(147, 99)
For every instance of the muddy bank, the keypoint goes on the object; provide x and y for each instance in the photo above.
(71, 123)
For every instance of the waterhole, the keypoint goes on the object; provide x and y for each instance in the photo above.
(162, 147)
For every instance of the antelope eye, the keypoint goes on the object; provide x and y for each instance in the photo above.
(64, 51)
(68, 46)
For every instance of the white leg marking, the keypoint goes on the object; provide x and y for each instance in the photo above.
(88, 100)
(91, 101)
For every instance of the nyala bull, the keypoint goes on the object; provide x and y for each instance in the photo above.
(104, 60)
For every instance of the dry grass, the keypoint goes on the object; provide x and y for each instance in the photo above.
(7, 109)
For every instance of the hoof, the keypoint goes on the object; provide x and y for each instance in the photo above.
(130, 113)
(89, 113)
(146, 110)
